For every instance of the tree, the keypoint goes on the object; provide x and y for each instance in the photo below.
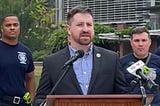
(58, 38)
(35, 19)
(42, 27)
(8, 6)
(39, 32)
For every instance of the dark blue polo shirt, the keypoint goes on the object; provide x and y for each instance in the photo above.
(15, 62)
(154, 62)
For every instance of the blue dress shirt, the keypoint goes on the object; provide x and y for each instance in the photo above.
(83, 68)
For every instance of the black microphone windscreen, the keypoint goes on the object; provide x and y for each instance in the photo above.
(80, 53)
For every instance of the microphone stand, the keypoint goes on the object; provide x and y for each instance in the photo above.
(143, 92)
(66, 68)
(133, 84)
(152, 85)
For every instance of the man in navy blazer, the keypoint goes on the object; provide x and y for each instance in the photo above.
(97, 72)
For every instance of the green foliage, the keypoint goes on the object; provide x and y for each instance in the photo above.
(42, 17)
(99, 28)
(39, 32)
(36, 22)
(122, 32)
(41, 28)
(58, 39)
(39, 55)
(8, 6)
(41, 13)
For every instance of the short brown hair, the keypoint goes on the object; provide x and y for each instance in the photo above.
(139, 30)
(75, 10)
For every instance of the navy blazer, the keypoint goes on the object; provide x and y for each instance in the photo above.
(106, 77)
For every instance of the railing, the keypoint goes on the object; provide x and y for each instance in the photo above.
(38, 63)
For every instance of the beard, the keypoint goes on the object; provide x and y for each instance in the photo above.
(84, 40)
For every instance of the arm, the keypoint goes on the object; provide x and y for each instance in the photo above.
(30, 84)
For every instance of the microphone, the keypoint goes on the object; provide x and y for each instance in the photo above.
(148, 72)
(140, 70)
(132, 69)
(133, 83)
(78, 54)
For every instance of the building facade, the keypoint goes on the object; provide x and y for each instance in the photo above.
(119, 14)
(113, 12)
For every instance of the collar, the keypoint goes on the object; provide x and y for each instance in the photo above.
(72, 50)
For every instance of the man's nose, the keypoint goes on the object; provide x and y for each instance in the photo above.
(85, 28)
(140, 43)
(12, 27)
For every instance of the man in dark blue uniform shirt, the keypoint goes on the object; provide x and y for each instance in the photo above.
(140, 42)
(16, 66)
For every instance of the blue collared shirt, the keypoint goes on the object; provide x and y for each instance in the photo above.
(83, 68)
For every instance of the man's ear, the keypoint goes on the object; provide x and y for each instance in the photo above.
(68, 29)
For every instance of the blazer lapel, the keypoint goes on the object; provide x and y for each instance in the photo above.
(71, 73)
(74, 79)
(96, 67)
